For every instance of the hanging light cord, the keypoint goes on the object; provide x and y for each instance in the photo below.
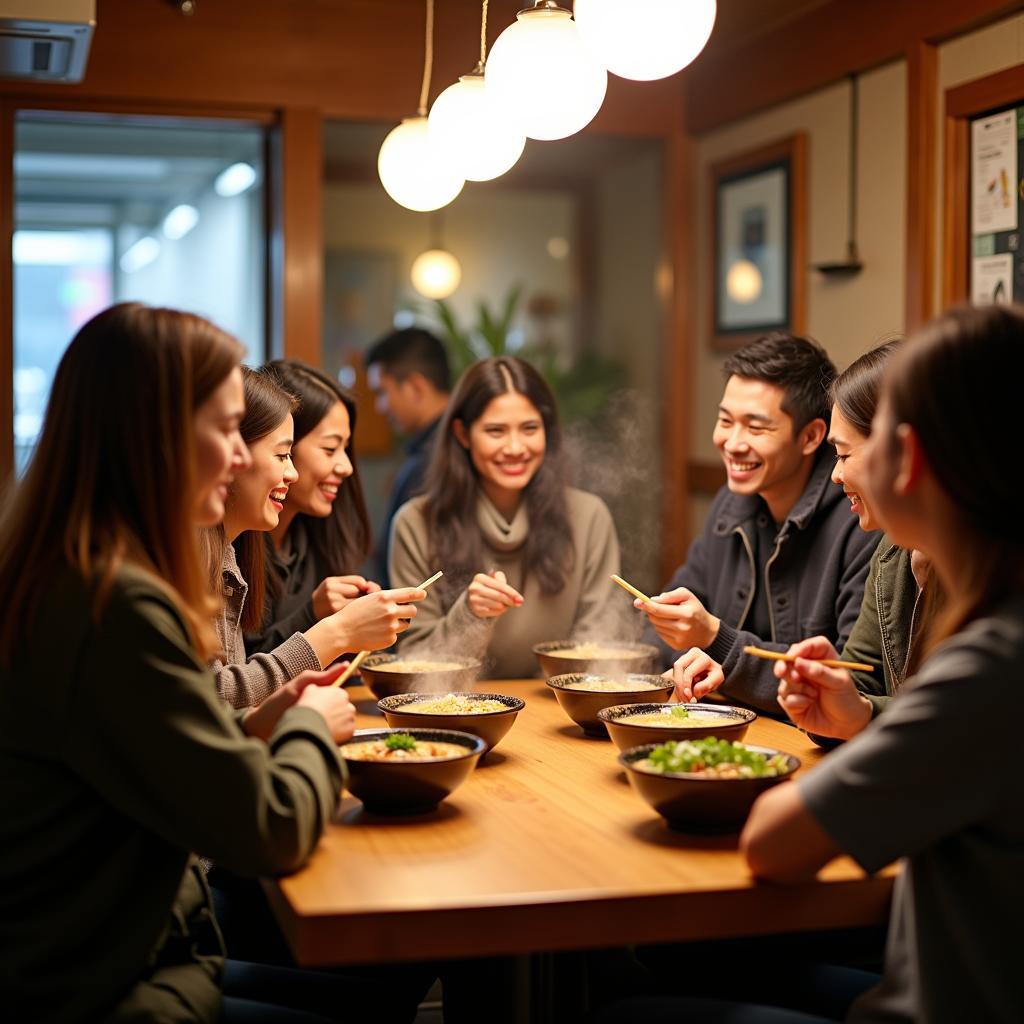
(483, 36)
(428, 59)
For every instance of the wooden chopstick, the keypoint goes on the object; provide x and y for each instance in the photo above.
(629, 586)
(853, 666)
(363, 655)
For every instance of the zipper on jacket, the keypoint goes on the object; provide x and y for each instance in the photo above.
(897, 683)
(767, 584)
(753, 576)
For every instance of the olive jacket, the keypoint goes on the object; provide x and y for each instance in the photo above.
(884, 631)
(118, 763)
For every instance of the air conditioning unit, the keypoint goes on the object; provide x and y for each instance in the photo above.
(45, 40)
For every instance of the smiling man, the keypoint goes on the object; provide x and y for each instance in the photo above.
(780, 557)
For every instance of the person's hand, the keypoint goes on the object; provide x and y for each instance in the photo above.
(262, 719)
(680, 619)
(695, 674)
(489, 595)
(337, 591)
(818, 699)
(372, 622)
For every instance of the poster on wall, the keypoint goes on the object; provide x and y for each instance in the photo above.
(994, 173)
(992, 279)
(997, 207)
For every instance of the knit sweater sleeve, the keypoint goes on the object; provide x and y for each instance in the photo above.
(440, 623)
(248, 684)
(599, 607)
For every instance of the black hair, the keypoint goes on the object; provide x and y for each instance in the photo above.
(799, 366)
(412, 350)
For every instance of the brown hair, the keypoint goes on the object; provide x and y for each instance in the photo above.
(930, 385)
(451, 483)
(113, 476)
(341, 540)
(266, 406)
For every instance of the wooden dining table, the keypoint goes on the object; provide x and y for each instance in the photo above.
(545, 847)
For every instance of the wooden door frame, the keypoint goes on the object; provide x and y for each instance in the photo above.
(292, 217)
(964, 103)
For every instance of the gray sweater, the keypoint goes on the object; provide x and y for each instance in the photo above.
(245, 683)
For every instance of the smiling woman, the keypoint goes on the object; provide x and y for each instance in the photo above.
(525, 557)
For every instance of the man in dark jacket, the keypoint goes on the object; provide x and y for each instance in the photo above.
(780, 557)
(409, 372)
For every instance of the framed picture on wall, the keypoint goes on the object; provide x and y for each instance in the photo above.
(758, 232)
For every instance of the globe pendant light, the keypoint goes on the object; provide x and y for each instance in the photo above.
(413, 171)
(542, 76)
(645, 39)
(436, 274)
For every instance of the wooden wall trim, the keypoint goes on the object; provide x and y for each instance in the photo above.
(962, 104)
(706, 477)
(828, 43)
(296, 240)
(677, 361)
(6, 291)
(922, 189)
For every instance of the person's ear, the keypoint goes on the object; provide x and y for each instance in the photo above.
(459, 430)
(812, 435)
(910, 463)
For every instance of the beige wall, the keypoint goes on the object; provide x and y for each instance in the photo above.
(961, 60)
(849, 315)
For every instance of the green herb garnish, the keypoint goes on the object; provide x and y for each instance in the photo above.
(400, 741)
(714, 756)
(679, 712)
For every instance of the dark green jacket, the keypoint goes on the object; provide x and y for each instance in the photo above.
(882, 634)
(118, 762)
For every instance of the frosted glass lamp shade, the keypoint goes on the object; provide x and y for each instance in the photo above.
(436, 274)
(645, 39)
(467, 127)
(543, 78)
(743, 282)
(413, 172)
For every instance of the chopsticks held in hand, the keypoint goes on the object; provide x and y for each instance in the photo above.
(629, 586)
(362, 655)
(853, 666)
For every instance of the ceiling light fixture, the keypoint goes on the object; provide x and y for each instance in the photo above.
(542, 76)
(414, 171)
(436, 273)
(467, 125)
(645, 39)
(235, 180)
(180, 221)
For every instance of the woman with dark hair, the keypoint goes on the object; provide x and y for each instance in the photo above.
(323, 533)
(525, 557)
(110, 726)
(254, 506)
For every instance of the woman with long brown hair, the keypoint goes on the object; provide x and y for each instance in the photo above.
(255, 503)
(526, 558)
(110, 725)
(323, 533)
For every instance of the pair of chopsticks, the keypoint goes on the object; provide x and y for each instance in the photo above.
(760, 652)
(363, 655)
(853, 666)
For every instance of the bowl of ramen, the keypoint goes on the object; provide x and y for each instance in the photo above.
(390, 674)
(612, 657)
(632, 724)
(705, 785)
(487, 715)
(408, 771)
(582, 695)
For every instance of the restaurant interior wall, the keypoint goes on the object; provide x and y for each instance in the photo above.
(848, 315)
(975, 55)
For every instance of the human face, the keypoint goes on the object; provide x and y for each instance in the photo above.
(259, 492)
(849, 471)
(756, 440)
(322, 462)
(506, 444)
(220, 450)
(395, 399)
